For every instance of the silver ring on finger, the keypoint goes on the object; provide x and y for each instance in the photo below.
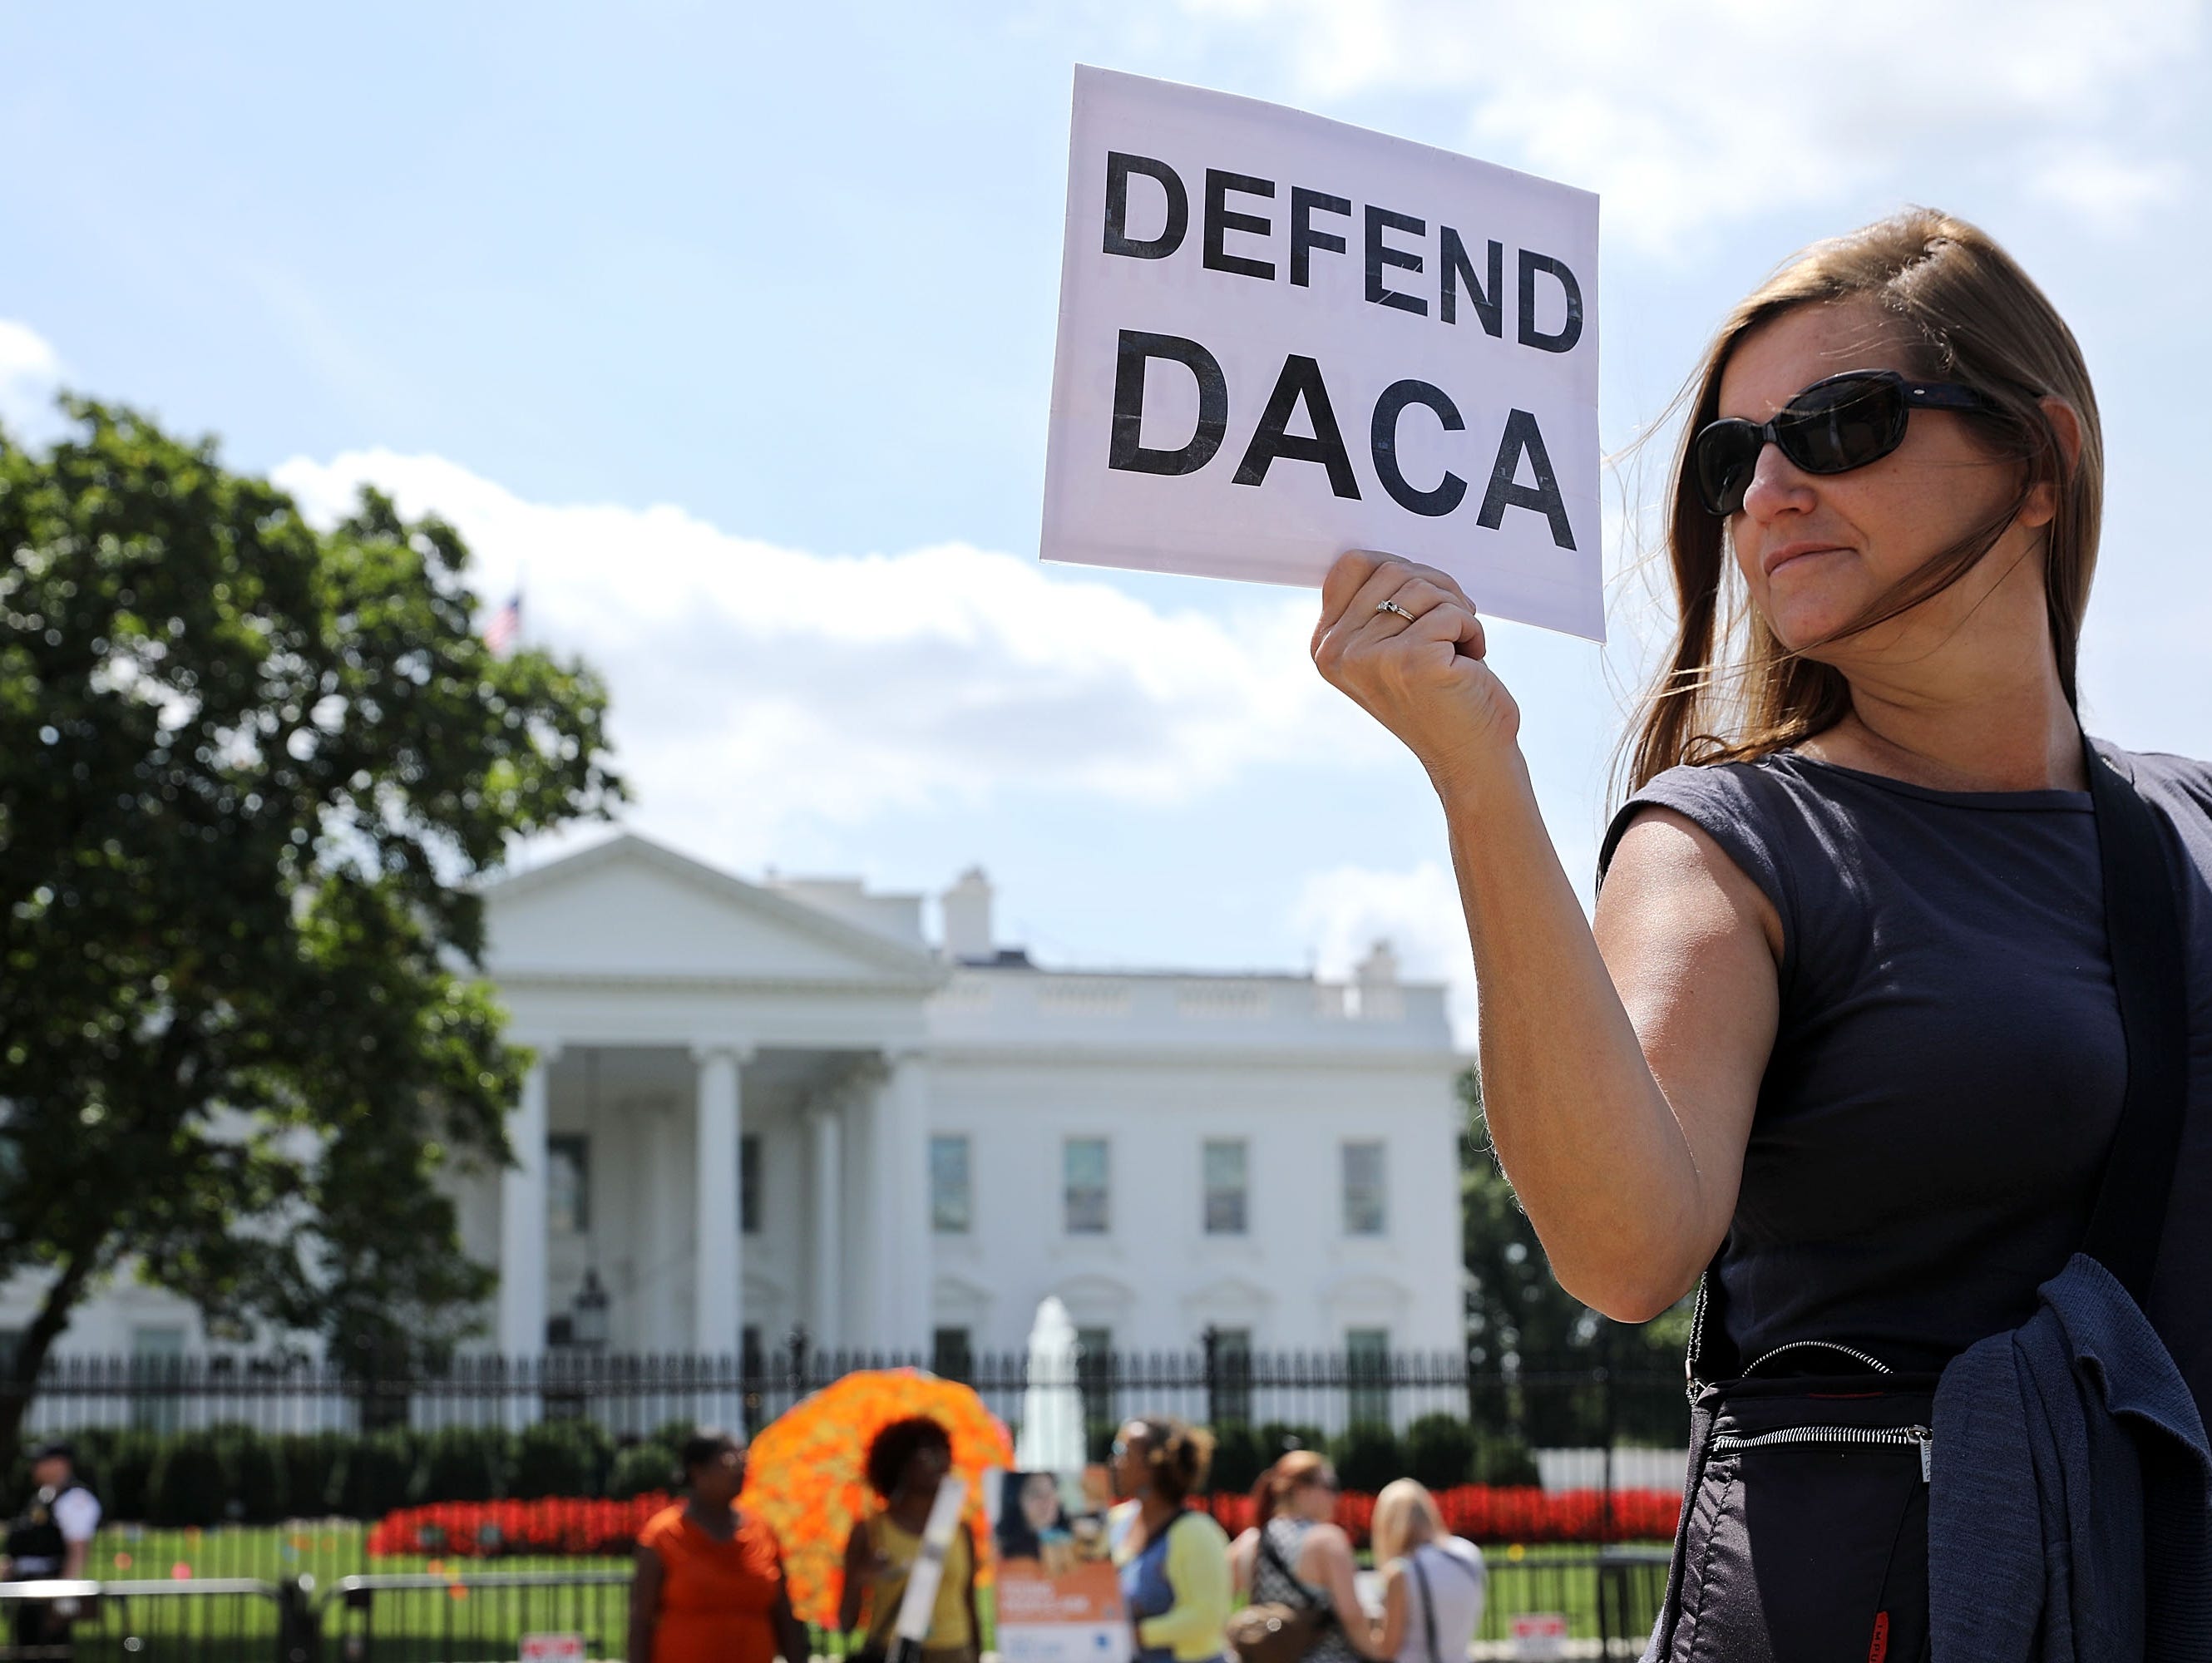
(1393, 607)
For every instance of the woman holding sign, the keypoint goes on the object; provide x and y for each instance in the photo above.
(1887, 962)
(908, 1461)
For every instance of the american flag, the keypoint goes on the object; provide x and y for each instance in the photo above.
(504, 627)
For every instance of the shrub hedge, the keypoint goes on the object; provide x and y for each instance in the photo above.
(234, 1474)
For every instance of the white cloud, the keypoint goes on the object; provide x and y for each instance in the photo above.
(1345, 910)
(30, 370)
(757, 687)
(2112, 192)
(1690, 112)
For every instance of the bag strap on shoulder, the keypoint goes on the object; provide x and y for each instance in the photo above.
(2148, 973)
(1428, 1604)
(1299, 1590)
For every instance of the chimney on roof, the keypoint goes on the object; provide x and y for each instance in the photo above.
(968, 918)
(1379, 968)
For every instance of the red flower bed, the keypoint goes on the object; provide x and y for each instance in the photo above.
(568, 1525)
(488, 1530)
(1486, 1512)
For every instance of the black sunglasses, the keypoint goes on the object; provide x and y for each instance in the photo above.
(1842, 422)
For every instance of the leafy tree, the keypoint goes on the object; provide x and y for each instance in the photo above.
(1517, 1314)
(249, 772)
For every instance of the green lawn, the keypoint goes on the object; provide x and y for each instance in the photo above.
(458, 1621)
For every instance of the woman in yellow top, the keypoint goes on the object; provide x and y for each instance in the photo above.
(906, 1461)
(1174, 1561)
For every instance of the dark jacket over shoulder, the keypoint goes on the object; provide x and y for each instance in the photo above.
(2081, 1411)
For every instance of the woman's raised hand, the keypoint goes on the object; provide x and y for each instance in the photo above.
(1404, 641)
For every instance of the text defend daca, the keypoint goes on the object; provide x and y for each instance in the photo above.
(1300, 381)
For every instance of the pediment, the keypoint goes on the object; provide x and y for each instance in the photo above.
(956, 1295)
(1096, 1300)
(629, 908)
(1229, 1295)
(1367, 1293)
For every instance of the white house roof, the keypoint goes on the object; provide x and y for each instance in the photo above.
(630, 906)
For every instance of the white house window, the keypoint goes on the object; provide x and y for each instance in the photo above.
(1364, 1212)
(952, 1353)
(157, 1362)
(1232, 1377)
(567, 1185)
(1225, 1187)
(1084, 1189)
(1367, 1367)
(951, 1198)
(1094, 1374)
(749, 1185)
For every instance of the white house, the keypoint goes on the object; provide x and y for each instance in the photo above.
(762, 1105)
(934, 1139)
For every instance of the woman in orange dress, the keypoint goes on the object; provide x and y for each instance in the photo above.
(709, 1585)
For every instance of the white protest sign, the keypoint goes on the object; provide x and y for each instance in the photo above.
(1281, 337)
(1540, 1634)
(919, 1603)
(553, 1648)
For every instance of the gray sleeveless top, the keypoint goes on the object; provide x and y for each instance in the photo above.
(1947, 1070)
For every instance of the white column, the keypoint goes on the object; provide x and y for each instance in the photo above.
(660, 1324)
(828, 1154)
(901, 1161)
(718, 1269)
(522, 1218)
(861, 1300)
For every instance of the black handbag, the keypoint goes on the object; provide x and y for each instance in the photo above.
(1828, 1473)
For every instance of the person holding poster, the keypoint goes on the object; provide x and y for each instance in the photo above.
(1887, 958)
(907, 1462)
(1173, 1561)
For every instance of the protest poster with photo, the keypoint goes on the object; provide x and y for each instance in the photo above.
(1059, 1597)
(1281, 337)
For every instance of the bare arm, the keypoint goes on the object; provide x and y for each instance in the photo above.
(644, 1605)
(1325, 1563)
(859, 1571)
(790, 1637)
(1621, 1068)
(1393, 1635)
(1240, 1554)
(975, 1620)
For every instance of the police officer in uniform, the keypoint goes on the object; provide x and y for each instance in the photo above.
(51, 1538)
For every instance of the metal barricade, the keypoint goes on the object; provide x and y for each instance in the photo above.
(1610, 1598)
(215, 1619)
(1631, 1586)
(477, 1618)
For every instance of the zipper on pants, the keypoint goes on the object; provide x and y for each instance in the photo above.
(1728, 1443)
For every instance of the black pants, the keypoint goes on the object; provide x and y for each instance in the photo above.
(1799, 1544)
(39, 1633)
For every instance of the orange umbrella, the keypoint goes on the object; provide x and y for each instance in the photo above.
(807, 1473)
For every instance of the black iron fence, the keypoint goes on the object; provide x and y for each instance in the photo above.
(1605, 1599)
(1549, 1400)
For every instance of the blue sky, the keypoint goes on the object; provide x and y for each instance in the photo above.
(730, 331)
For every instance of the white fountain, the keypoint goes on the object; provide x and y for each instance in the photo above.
(1051, 1438)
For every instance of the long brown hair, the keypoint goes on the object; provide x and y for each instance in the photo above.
(1277, 1483)
(1965, 312)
